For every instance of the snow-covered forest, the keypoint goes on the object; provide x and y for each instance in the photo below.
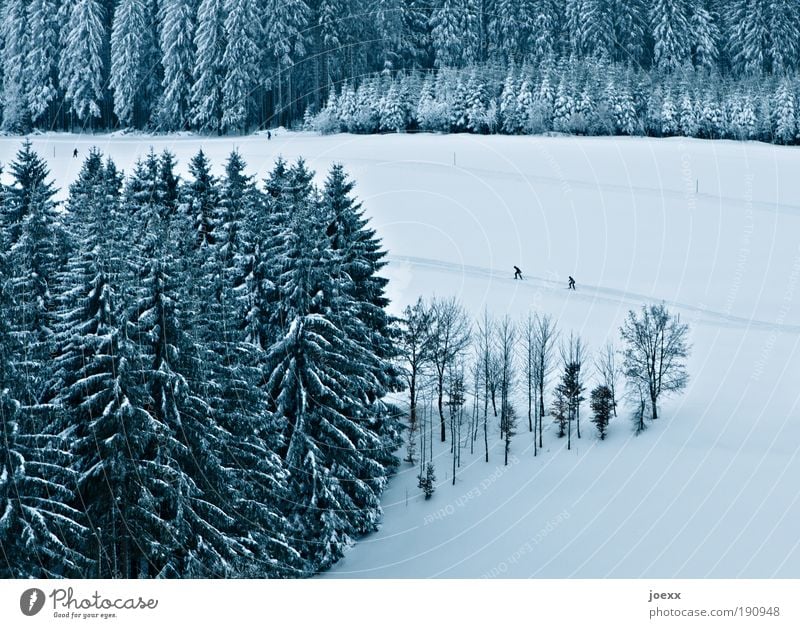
(195, 373)
(712, 68)
(192, 372)
(581, 97)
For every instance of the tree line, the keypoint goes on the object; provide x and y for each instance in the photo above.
(580, 97)
(231, 66)
(466, 381)
(192, 371)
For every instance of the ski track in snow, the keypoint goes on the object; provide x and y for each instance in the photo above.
(707, 317)
(765, 206)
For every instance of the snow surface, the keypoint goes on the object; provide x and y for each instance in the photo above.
(712, 228)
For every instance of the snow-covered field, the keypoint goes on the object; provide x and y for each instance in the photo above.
(710, 228)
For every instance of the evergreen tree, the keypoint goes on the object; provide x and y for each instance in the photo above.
(82, 65)
(240, 63)
(129, 62)
(41, 535)
(785, 114)
(202, 195)
(321, 378)
(177, 28)
(446, 34)
(41, 62)
(670, 24)
(209, 69)
(285, 43)
(602, 402)
(32, 230)
(16, 46)
(629, 18)
(705, 36)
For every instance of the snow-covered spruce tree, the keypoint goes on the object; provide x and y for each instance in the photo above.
(245, 477)
(335, 23)
(129, 61)
(389, 31)
(237, 195)
(705, 32)
(240, 62)
(785, 113)
(321, 377)
(590, 26)
(393, 114)
(285, 43)
(102, 405)
(201, 194)
(81, 68)
(784, 33)
(188, 532)
(359, 260)
(41, 535)
(16, 45)
(446, 34)
(670, 25)
(209, 70)
(41, 62)
(177, 19)
(602, 402)
(629, 19)
(545, 35)
(34, 237)
(512, 27)
(508, 103)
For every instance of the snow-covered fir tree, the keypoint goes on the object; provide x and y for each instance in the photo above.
(82, 68)
(41, 63)
(670, 24)
(177, 46)
(129, 60)
(336, 446)
(32, 232)
(240, 63)
(16, 47)
(208, 72)
(41, 534)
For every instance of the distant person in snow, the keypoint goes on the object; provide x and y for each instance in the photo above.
(269, 135)
(517, 273)
(75, 154)
(571, 285)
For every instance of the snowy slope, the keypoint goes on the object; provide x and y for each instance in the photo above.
(710, 228)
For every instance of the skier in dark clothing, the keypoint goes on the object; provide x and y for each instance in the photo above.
(571, 285)
(75, 154)
(517, 273)
(269, 135)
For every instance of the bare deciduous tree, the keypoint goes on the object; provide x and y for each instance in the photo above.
(456, 398)
(449, 337)
(506, 341)
(485, 358)
(545, 336)
(656, 348)
(415, 353)
(609, 371)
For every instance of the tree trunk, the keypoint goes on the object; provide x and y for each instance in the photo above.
(441, 409)
(569, 430)
(541, 410)
(412, 418)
